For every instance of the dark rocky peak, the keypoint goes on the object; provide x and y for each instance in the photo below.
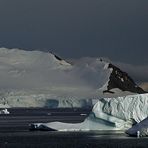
(57, 57)
(121, 80)
(61, 61)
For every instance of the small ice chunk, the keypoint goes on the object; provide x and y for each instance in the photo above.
(4, 111)
(138, 134)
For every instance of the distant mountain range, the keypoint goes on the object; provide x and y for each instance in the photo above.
(44, 76)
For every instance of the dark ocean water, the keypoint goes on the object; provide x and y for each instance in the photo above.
(14, 131)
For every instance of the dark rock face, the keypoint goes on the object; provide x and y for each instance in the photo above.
(57, 57)
(121, 80)
(60, 59)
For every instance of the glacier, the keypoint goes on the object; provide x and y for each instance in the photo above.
(118, 113)
(14, 99)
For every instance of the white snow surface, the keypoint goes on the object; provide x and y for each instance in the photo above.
(35, 78)
(125, 108)
(108, 114)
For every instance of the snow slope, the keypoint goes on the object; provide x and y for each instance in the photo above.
(107, 114)
(35, 79)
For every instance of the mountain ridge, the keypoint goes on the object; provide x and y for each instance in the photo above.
(40, 76)
(121, 80)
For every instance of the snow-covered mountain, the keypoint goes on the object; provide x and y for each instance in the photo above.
(35, 78)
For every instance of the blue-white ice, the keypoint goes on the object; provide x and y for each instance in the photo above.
(108, 114)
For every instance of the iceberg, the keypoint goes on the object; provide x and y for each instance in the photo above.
(90, 123)
(125, 107)
(107, 114)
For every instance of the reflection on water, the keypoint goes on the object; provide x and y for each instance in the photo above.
(95, 139)
(92, 134)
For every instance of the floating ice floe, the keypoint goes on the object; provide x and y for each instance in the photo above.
(4, 111)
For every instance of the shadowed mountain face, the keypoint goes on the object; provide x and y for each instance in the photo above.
(121, 80)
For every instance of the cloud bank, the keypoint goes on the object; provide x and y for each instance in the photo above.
(144, 86)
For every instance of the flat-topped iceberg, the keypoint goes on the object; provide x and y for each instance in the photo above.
(107, 114)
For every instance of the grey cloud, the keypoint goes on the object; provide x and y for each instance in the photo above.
(144, 86)
(137, 72)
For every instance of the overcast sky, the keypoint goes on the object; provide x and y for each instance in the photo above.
(117, 29)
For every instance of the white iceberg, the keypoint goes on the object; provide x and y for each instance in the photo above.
(125, 107)
(90, 123)
(107, 114)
